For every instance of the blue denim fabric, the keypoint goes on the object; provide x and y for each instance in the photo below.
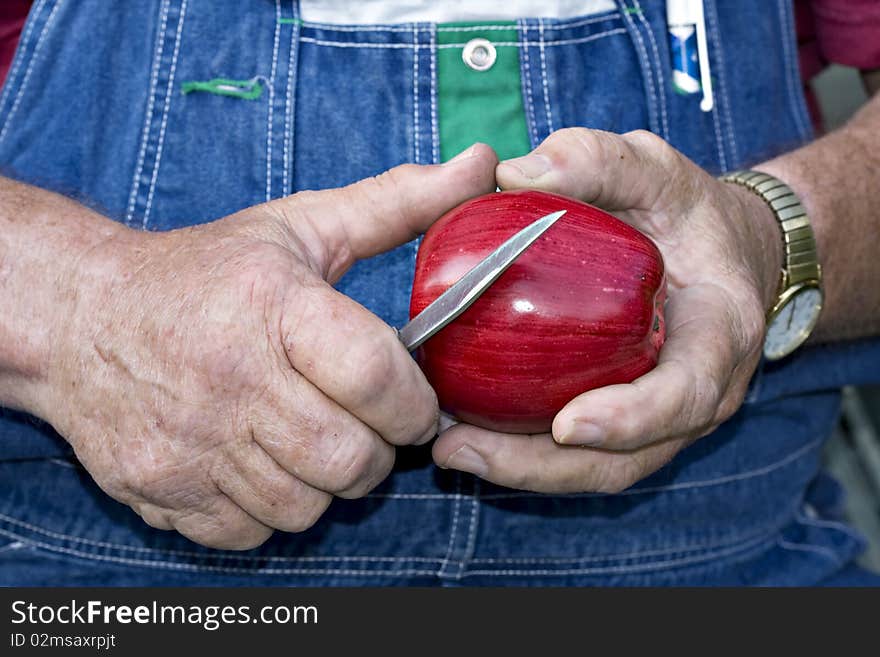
(93, 108)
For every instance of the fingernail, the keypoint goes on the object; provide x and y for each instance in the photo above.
(466, 459)
(582, 433)
(530, 166)
(465, 154)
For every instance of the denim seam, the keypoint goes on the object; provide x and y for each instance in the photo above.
(497, 44)
(415, 89)
(270, 112)
(30, 68)
(165, 112)
(790, 66)
(661, 82)
(470, 546)
(711, 13)
(290, 102)
(435, 134)
(539, 43)
(406, 27)
(526, 75)
(544, 83)
(647, 70)
(196, 555)
(148, 117)
(755, 546)
(171, 565)
(21, 53)
(803, 547)
(454, 528)
(686, 550)
(829, 524)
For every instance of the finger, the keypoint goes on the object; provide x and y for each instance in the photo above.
(538, 464)
(220, 523)
(356, 360)
(679, 397)
(317, 441)
(268, 493)
(616, 172)
(379, 213)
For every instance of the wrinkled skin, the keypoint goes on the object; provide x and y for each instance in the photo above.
(722, 249)
(212, 379)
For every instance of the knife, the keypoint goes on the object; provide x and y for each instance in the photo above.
(461, 294)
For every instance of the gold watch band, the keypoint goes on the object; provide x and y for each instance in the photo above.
(801, 258)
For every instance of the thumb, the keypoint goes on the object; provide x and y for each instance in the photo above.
(615, 172)
(340, 226)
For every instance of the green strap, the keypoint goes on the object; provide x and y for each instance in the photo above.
(485, 106)
(244, 89)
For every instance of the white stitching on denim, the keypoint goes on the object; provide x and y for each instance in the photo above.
(435, 135)
(719, 140)
(148, 117)
(353, 44)
(65, 464)
(269, 126)
(635, 568)
(417, 155)
(472, 531)
(685, 485)
(661, 81)
(642, 53)
(165, 112)
(711, 13)
(596, 19)
(789, 67)
(288, 106)
(29, 69)
(15, 545)
(499, 44)
(544, 82)
(804, 547)
(170, 565)
(830, 524)
(406, 27)
(184, 553)
(23, 44)
(539, 43)
(330, 27)
(454, 528)
(626, 556)
(526, 73)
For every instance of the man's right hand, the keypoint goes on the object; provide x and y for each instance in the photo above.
(211, 377)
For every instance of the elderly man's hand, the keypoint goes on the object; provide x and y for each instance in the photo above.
(211, 377)
(722, 250)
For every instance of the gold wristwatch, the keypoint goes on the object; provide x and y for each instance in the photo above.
(799, 302)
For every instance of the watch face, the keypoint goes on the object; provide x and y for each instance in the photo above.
(793, 324)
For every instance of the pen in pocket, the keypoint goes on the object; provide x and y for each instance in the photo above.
(690, 52)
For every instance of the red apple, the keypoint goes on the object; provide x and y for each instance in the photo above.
(580, 309)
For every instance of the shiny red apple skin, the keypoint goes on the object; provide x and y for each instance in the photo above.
(580, 309)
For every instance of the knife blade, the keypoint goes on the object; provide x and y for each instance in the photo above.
(461, 294)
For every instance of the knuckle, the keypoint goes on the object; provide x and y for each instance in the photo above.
(351, 465)
(377, 365)
(306, 513)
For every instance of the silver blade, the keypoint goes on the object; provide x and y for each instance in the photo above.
(461, 294)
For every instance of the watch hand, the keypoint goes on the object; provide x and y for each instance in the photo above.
(791, 314)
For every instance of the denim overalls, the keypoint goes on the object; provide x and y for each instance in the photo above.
(94, 108)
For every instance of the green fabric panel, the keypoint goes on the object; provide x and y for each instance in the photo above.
(485, 106)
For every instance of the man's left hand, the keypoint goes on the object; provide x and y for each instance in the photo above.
(723, 252)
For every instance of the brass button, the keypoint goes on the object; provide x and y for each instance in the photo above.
(479, 54)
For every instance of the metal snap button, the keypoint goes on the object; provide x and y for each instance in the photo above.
(479, 54)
